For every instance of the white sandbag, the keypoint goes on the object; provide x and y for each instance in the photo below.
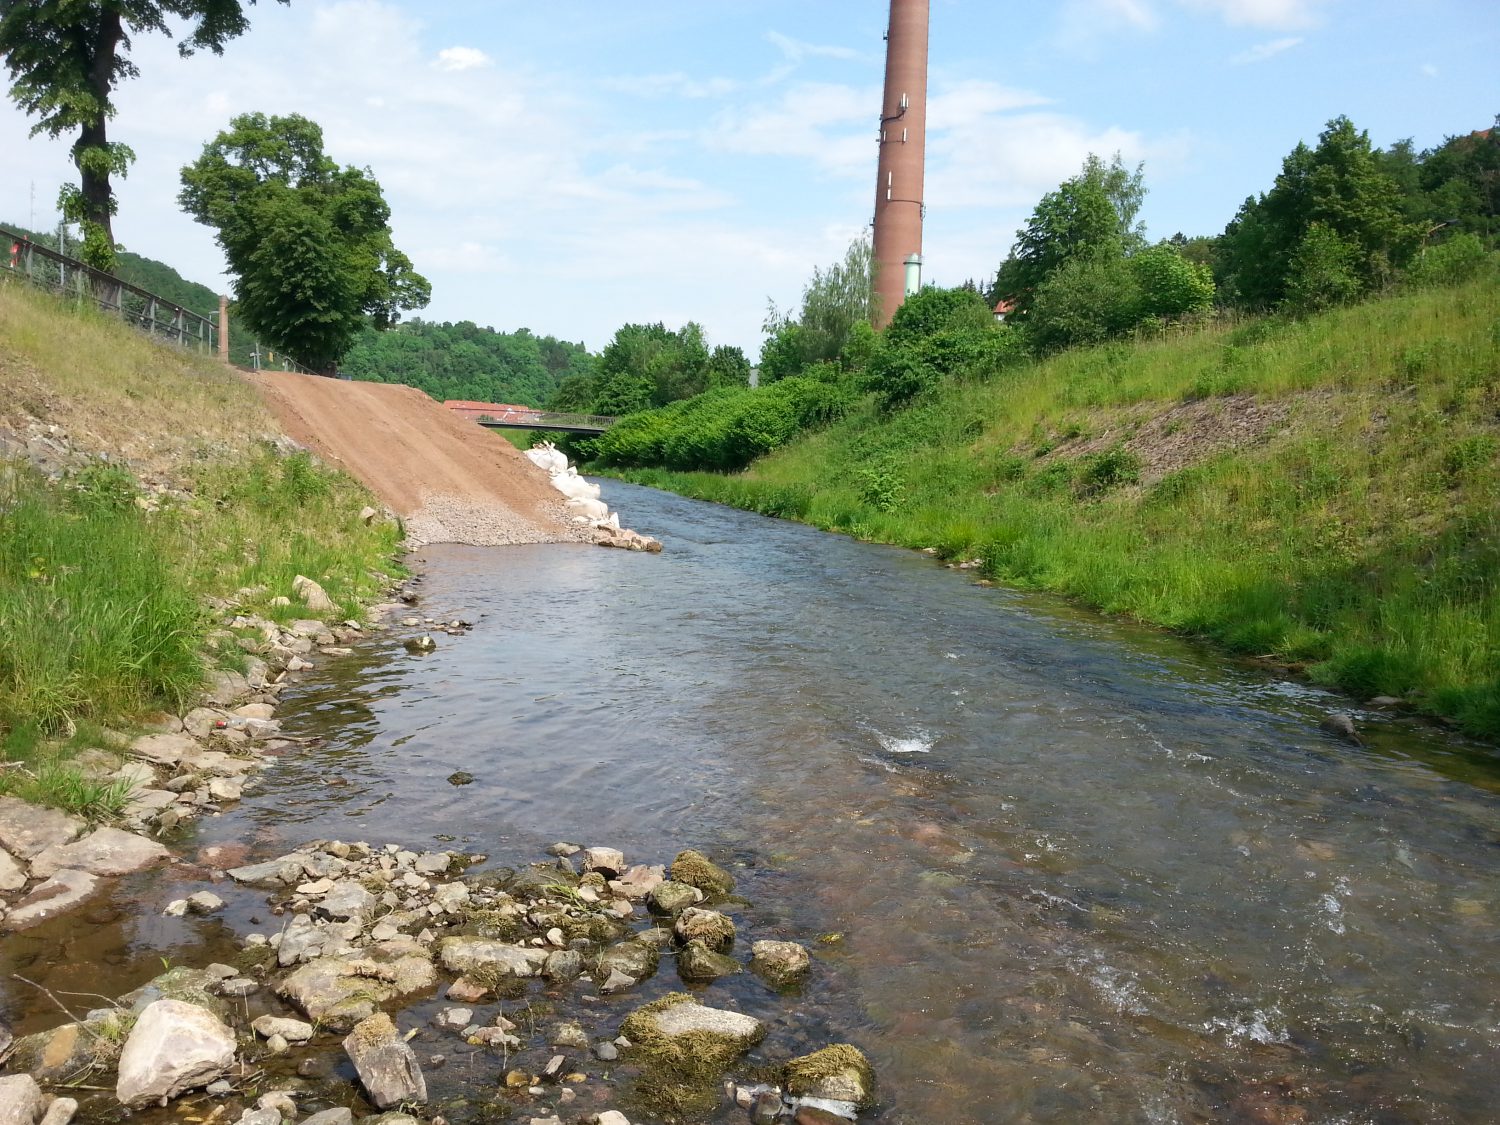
(593, 509)
(572, 485)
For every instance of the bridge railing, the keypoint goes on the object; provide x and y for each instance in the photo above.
(47, 269)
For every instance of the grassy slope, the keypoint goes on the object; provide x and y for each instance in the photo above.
(1325, 492)
(103, 604)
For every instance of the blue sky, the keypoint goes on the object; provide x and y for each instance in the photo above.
(575, 165)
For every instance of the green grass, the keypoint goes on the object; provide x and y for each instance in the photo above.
(1354, 531)
(104, 589)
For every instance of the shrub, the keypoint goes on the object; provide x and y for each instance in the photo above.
(1101, 472)
(1170, 285)
(1459, 259)
(932, 310)
(1324, 271)
(1086, 301)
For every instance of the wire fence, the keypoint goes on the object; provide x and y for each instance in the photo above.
(158, 317)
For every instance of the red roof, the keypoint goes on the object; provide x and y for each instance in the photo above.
(1005, 307)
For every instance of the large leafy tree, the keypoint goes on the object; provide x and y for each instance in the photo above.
(65, 59)
(309, 243)
(1091, 215)
(1342, 198)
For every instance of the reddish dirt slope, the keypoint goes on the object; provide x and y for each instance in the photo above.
(449, 479)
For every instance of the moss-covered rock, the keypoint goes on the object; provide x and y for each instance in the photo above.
(684, 1049)
(698, 964)
(838, 1073)
(697, 870)
(672, 898)
(713, 929)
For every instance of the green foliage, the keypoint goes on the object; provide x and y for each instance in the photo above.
(881, 485)
(91, 628)
(834, 304)
(649, 365)
(1090, 215)
(465, 361)
(1170, 285)
(723, 429)
(1109, 469)
(1086, 301)
(309, 244)
(65, 60)
(1270, 253)
(1323, 271)
(1454, 261)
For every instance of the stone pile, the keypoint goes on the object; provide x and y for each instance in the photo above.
(584, 505)
(362, 930)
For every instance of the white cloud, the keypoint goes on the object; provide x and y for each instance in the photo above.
(1263, 51)
(795, 50)
(1085, 24)
(1429, 71)
(1275, 15)
(831, 124)
(463, 58)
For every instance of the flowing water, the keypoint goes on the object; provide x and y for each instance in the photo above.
(1066, 870)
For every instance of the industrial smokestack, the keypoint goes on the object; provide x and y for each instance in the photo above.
(903, 155)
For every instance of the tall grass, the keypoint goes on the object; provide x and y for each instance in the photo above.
(1355, 533)
(104, 589)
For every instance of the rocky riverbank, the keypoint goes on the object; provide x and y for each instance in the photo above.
(320, 1018)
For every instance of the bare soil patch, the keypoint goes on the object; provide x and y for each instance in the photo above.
(450, 480)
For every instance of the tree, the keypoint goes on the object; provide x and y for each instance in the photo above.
(309, 244)
(834, 301)
(1093, 214)
(1340, 187)
(65, 59)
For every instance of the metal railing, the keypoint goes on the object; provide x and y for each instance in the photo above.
(22, 258)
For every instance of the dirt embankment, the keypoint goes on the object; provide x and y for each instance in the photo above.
(449, 480)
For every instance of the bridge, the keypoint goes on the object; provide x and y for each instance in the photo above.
(545, 420)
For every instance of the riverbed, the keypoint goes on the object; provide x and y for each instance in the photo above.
(1062, 869)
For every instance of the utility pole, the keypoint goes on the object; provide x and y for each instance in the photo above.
(899, 209)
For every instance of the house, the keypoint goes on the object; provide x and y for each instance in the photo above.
(1004, 309)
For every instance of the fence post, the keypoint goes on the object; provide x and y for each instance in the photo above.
(223, 327)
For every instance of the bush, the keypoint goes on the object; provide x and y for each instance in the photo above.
(724, 429)
(1170, 285)
(932, 310)
(1324, 271)
(1453, 262)
(1087, 301)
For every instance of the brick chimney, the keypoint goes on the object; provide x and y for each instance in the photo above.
(903, 155)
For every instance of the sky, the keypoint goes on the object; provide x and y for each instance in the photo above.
(570, 166)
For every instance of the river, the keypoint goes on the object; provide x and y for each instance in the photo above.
(1064, 869)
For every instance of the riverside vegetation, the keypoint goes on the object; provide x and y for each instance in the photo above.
(1322, 491)
(141, 488)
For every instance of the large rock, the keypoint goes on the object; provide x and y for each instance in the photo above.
(638, 882)
(293, 1031)
(58, 1055)
(347, 900)
(780, 962)
(683, 1050)
(698, 964)
(165, 749)
(282, 872)
(27, 829)
(713, 929)
(12, 874)
(387, 1066)
(21, 1100)
(313, 595)
(609, 862)
(338, 993)
(635, 959)
(174, 1047)
(480, 956)
(696, 870)
(58, 895)
(671, 898)
(105, 851)
(840, 1073)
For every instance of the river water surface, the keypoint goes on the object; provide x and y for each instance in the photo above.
(1067, 870)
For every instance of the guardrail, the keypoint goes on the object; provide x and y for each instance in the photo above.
(161, 318)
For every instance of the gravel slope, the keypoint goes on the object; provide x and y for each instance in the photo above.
(450, 480)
